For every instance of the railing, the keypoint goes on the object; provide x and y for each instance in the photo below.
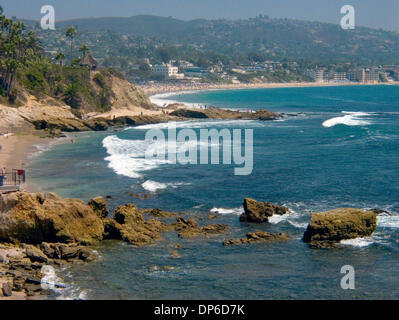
(14, 178)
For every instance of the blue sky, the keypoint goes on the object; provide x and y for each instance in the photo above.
(372, 13)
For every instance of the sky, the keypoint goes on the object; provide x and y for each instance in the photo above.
(372, 13)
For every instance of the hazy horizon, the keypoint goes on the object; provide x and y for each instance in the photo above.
(369, 13)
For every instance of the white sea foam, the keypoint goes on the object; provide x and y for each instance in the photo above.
(196, 124)
(50, 280)
(276, 218)
(154, 186)
(358, 242)
(299, 225)
(162, 100)
(225, 211)
(349, 119)
(127, 157)
(387, 221)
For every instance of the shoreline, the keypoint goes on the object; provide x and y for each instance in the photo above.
(168, 89)
(18, 150)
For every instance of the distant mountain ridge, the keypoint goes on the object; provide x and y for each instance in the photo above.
(288, 38)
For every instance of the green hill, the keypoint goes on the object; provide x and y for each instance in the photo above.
(273, 38)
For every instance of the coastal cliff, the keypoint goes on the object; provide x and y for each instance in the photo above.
(32, 110)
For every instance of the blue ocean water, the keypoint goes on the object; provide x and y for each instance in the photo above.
(336, 147)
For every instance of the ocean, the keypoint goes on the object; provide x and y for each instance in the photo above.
(335, 147)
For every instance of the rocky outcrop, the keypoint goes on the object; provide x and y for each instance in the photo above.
(255, 211)
(38, 217)
(99, 206)
(217, 113)
(189, 113)
(328, 228)
(189, 228)
(159, 213)
(258, 237)
(129, 225)
(21, 270)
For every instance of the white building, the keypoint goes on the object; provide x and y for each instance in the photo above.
(316, 74)
(167, 71)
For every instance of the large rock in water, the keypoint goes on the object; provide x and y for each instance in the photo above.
(129, 225)
(339, 224)
(39, 217)
(255, 211)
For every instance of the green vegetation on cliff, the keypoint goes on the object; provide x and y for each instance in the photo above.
(26, 71)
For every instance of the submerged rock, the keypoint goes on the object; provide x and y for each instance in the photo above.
(327, 228)
(175, 254)
(258, 237)
(255, 211)
(189, 228)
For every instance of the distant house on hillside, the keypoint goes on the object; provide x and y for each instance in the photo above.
(89, 61)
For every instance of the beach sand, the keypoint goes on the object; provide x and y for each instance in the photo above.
(16, 150)
(152, 89)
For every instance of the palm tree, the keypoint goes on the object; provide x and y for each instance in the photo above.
(59, 57)
(84, 49)
(70, 33)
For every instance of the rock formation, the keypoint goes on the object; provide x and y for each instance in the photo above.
(99, 206)
(217, 113)
(255, 211)
(328, 228)
(38, 217)
(258, 237)
(129, 225)
(189, 228)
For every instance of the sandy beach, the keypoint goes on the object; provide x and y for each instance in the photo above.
(17, 150)
(152, 89)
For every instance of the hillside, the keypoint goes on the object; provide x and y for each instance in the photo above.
(32, 107)
(274, 38)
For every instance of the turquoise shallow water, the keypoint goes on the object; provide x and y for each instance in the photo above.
(338, 146)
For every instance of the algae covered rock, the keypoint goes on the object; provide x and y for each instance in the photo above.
(256, 211)
(339, 224)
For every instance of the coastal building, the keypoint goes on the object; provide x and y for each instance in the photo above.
(340, 76)
(167, 71)
(369, 75)
(88, 61)
(318, 75)
(195, 72)
(365, 75)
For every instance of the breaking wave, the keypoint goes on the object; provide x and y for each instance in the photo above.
(225, 211)
(154, 186)
(349, 119)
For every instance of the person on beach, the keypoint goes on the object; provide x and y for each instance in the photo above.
(3, 174)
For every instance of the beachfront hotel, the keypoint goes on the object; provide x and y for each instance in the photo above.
(167, 71)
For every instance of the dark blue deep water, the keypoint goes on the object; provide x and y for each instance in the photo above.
(336, 147)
